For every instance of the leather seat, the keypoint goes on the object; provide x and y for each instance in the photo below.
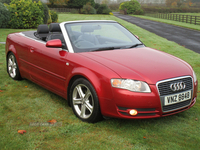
(42, 32)
(55, 32)
(87, 36)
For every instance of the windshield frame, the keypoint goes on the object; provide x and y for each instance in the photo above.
(70, 44)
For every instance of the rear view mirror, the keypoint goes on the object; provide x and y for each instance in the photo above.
(56, 43)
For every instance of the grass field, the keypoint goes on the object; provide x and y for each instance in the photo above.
(176, 23)
(192, 14)
(23, 102)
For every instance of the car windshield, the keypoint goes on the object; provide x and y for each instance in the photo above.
(99, 36)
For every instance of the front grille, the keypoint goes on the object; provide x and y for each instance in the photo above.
(164, 87)
(164, 90)
(177, 105)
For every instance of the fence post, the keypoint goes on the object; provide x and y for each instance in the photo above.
(186, 18)
(182, 18)
(195, 20)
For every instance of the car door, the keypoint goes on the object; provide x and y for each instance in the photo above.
(48, 67)
(22, 45)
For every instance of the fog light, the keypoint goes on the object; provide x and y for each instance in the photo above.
(133, 112)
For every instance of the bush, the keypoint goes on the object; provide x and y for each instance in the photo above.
(46, 13)
(103, 9)
(5, 1)
(49, 19)
(79, 3)
(45, 10)
(114, 6)
(25, 14)
(54, 16)
(74, 11)
(88, 9)
(131, 7)
(96, 6)
(92, 3)
(110, 13)
(4, 16)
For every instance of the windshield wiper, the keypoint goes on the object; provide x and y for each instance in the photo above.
(112, 48)
(104, 49)
(135, 45)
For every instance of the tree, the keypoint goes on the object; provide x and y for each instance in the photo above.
(103, 9)
(169, 2)
(131, 7)
(52, 2)
(4, 16)
(88, 9)
(105, 2)
(79, 3)
(179, 3)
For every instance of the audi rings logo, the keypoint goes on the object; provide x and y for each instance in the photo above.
(177, 86)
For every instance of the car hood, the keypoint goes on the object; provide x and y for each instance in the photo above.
(144, 64)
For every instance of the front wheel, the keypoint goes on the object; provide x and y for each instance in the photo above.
(12, 67)
(84, 101)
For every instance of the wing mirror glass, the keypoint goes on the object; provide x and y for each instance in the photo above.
(56, 43)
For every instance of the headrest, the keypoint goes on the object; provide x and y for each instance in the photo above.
(54, 27)
(86, 28)
(55, 36)
(42, 29)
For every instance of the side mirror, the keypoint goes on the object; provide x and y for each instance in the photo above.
(56, 43)
(137, 37)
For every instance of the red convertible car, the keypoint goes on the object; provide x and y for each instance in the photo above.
(102, 69)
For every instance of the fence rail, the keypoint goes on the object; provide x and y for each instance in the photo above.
(65, 9)
(177, 17)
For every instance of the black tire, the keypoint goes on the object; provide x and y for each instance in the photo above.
(84, 101)
(12, 67)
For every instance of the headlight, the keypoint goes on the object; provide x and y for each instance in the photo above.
(131, 85)
(194, 77)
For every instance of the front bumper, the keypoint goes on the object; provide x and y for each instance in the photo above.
(148, 105)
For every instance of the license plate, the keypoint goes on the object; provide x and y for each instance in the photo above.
(176, 98)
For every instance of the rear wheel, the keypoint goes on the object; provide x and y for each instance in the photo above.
(84, 101)
(12, 67)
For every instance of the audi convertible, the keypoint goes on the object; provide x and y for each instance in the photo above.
(102, 70)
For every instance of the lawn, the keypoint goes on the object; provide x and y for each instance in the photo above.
(172, 22)
(192, 14)
(23, 102)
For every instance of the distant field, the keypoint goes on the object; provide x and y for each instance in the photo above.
(23, 102)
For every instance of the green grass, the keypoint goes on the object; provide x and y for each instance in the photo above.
(5, 32)
(23, 102)
(192, 14)
(176, 23)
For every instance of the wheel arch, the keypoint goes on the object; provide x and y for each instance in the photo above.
(93, 77)
(12, 49)
(75, 77)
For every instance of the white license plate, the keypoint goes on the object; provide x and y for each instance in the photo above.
(176, 98)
